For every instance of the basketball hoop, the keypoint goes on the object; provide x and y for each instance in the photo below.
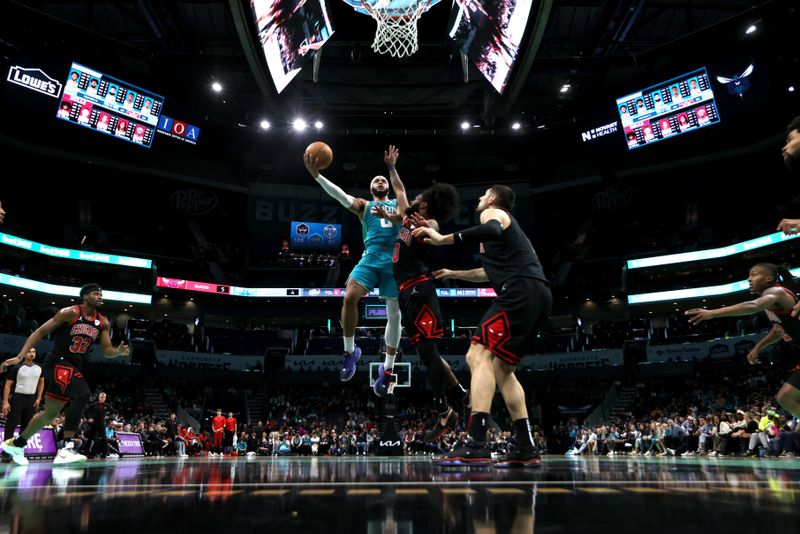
(397, 26)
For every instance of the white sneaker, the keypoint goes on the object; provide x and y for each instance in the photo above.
(68, 455)
(113, 455)
(671, 452)
(17, 453)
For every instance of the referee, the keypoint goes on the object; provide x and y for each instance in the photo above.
(27, 393)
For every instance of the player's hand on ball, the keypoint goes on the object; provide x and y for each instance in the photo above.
(310, 162)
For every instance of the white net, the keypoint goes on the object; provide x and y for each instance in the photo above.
(397, 27)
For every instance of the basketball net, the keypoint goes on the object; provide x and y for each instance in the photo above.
(397, 28)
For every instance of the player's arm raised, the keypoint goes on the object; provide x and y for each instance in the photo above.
(355, 205)
(493, 222)
(390, 158)
(63, 316)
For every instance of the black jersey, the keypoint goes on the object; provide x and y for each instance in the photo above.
(73, 340)
(410, 257)
(790, 326)
(511, 256)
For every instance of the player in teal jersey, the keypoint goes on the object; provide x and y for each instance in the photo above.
(375, 268)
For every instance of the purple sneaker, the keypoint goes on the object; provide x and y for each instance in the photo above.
(384, 384)
(349, 364)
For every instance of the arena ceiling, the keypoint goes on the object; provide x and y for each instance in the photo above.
(597, 48)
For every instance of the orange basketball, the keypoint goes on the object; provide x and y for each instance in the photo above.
(322, 152)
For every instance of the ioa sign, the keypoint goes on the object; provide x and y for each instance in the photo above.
(178, 130)
(35, 80)
(600, 131)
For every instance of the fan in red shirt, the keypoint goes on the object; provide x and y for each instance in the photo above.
(230, 431)
(218, 428)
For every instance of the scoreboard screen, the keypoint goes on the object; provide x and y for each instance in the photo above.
(681, 105)
(109, 105)
(315, 236)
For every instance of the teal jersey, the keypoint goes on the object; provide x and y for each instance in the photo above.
(379, 234)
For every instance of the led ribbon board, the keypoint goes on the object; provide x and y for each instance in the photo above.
(71, 254)
(712, 253)
(69, 291)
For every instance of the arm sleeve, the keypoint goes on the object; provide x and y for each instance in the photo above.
(335, 191)
(487, 231)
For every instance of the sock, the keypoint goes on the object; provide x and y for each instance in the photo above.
(349, 344)
(457, 396)
(388, 362)
(478, 426)
(20, 442)
(522, 433)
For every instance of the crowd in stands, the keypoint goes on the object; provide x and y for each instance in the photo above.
(727, 409)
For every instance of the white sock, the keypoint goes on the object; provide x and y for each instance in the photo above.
(349, 344)
(388, 361)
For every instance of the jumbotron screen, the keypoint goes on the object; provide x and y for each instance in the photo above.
(110, 106)
(680, 105)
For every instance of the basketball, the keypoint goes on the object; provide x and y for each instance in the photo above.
(322, 152)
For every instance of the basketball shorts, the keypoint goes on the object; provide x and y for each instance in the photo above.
(419, 306)
(507, 329)
(63, 380)
(375, 271)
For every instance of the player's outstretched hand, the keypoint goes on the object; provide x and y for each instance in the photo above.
(789, 226)
(443, 274)
(310, 162)
(390, 156)
(380, 211)
(698, 315)
(431, 236)
(123, 349)
(419, 221)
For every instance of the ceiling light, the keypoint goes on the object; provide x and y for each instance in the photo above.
(516, 126)
(299, 125)
(464, 125)
(750, 29)
(318, 125)
(216, 86)
(265, 125)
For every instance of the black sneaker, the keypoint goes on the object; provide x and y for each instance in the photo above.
(444, 421)
(523, 457)
(474, 453)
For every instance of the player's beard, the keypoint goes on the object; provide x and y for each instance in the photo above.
(380, 194)
(793, 164)
(412, 209)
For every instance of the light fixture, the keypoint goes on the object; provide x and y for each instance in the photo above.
(299, 125)
(791, 88)
(750, 29)
(265, 125)
(566, 87)
(217, 87)
(318, 125)
(465, 125)
(516, 126)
